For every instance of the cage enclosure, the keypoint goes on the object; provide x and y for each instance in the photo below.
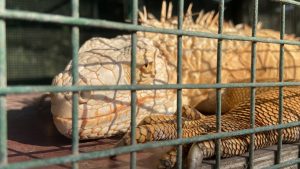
(38, 39)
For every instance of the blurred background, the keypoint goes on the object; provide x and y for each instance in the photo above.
(36, 52)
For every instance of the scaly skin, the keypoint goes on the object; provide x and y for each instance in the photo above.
(106, 113)
(238, 118)
(107, 62)
(199, 58)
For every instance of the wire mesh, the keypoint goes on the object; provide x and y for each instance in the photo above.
(75, 21)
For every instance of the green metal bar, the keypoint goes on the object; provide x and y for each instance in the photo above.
(253, 89)
(82, 22)
(219, 80)
(3, 84)
(75, 48)
(138, 147)
(55, 89)
(133, 82)
(289, 2)
(281, 79)
(179, 82)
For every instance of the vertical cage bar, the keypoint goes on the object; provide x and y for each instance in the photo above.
(253, 89)
(179, 81)
(75, 48)
(134, 9)
(3, 83)
(281, 79)
(219, 80)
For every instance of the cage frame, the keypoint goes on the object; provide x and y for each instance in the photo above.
(75, 22)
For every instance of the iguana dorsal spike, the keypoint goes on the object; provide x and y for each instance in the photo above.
(163, 12)
(209, 20)
(141, 16)
(188, 16)
(214, 20)
(145, 13)
(203, 20)
(170, 10)
(200, 15)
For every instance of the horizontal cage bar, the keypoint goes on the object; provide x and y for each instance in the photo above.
(138, 147)
(83, 22)
(39, 89)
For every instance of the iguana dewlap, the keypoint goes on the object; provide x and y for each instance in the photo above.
(107, 62)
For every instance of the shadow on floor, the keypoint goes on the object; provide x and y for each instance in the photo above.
(32, 124)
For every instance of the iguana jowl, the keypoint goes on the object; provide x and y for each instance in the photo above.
(107, 62)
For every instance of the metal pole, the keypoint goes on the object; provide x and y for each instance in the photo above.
(134, 10)
(179, 82)
(219, 80)
(75, 48)
(253, 80)
(3, 84)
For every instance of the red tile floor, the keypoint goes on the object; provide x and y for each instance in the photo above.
(32, 135)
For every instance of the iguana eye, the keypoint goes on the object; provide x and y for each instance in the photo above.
(84, 96)
(147, 73)
(147, 68)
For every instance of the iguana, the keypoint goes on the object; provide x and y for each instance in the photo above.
(107, 62)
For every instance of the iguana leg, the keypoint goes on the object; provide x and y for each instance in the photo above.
(188, 113)
(168, 160)
(162, 131)
(152, 132)
(162, 127)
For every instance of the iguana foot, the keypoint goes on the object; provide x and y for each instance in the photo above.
(196, 153)
(168, 160)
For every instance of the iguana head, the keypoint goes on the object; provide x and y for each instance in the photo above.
(107, 62)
